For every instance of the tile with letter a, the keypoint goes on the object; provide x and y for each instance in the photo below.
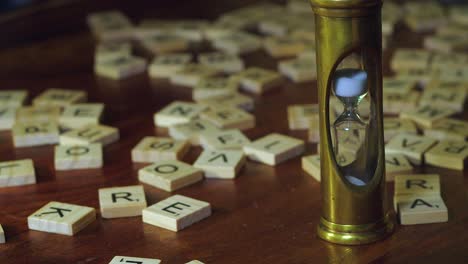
(17, 172)
(422, 210)
(120, 68)
(80, 115)
(224, 139)
(166, 65)
(396, 164)
(259, 81)
(395, 125)
(192, 131)
(227, 63)
(60, 97)
(412, 146)
(177, 112)
(2, 235)
(311, 165)
(7, 117)
(426, 116)
(448, 128)
(38, 114)
(298, 70)
(78, 157)
(90, 134)
(221, 164)
(448, 154)
(13, 98)
(274, 149)
(409, 186)
(61, 218)
(126, 201)
(229, 117)
(30, 134)
(191, 74)
(133, 260)
(153, 149)
(176, 212)
(170, 175)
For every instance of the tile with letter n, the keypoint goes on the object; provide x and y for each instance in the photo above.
(448, 128)
(422, 210)
(224, 139)
(221, 164)
(126, 201)
(17, 172)
(153, 149)
(133, 260)
(428, 115)
(2, 235)
(448, 154)
(30, 134)
(395, 125)
(192, 131)
(311, 165)
(80, 115)
(176, 212)
(7, 117)
(13, 98)
(412, 146)
(259, 81)
(60, 97)
(73, 157)
(61, 218)
(169, 175)
(177, 112)
(191, 74)
(166, 65)
(90, 134)
(229, 117)
(396, 164)
(121, 67)
(274, 149)
(409, 186)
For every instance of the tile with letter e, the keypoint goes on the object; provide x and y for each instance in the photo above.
(274, 149)
(152, 149)
(69, 157)
(227, 63)
(396, 164)
(13, 98)
(61, 218)
(412, 146)
(7, 117)
(258, 80)
(170, 175)
(298, 70)
(221, 164)
(177, 112)
(176, 212)
(90, 134)
(426, 116)
(166, 65)
(30, 134)
(133, 260)
(17, 172)
(2, 235)
(191, 74)
(126, 201)
(121, 67)
(192, 131)
(448, 128)
(80, 115)
(448, 154)
(60, 97)
(409, 186)
(422, 210)
(229, 117)
(311, 165)
(38, 114)
(224, 139)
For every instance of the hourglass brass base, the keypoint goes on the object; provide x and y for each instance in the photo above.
(355, 234)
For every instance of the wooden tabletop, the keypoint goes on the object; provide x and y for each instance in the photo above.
(266, 215)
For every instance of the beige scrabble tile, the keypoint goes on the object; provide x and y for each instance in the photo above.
(17, 172)
(232, 100)
(221, 164)
(167, 65)
(224, 62)
(30, 134)
(396, 164)
(123, 201)
(396, 103)
(170, 175)
(110, 26)
(448, 128)
(38, 113)
(192, 131)
(61, 218)
(133, 260)
(448, 154)
(452, 99)
(121, 67)
(108, 51)
(7, 117)
(191, 74)
(281, 47)
(301, 116)
(192, 29)
(153, 149)
(421, 76)
(422, 184)
(404, 59)
(78, 157)
(313, 133)
(237, 43)
(428, 115)
(176, 212)
(412, 146)
(422, 210)
(298, 70)
(224, 139)
(90, 134)
(161, 42)
(214, 87)
(13, 98)
(194, 262)
(397, 86)
(449, 60)
(258, 80)
(445, 43)
(229, 117)
(177, 112)
(451, 74)
(2, 235)
(60, 97)
(395, 125)
(80, 115)
(274, 149)
(436, 84)
(311, 165)
(457, 13)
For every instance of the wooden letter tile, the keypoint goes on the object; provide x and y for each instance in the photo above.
(422, 210)
(409, 186)
(395, 125)
(222, 164)
(448, 128)
(448, 154)
(78, 157)
(38, 114)
(17, 172)
(133, 260)
(60, 97)
(227, 63)
(232, 100)
(191, 74)
(124, 201)
(13, 98)
(237, 43)
(7, 117)
(396, 164)
(258, 80)
(2, 235)
(110, 51)
(229, 117)
(177, 112)
(80, 115)
(302, 116)
(159, 43)
(412, 146)
(31, 134)
(166, 65)
(283, 47)
(214, 87)
(311, 165)
(153, 149)
(410, 59)
(274, 149)
(426, 116)
(192, 131)
(225, 139)
(398, 86)
(121, 67)
(298, 70)
(90, 134)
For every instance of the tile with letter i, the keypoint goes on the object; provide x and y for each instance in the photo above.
(229, 117)
(311, 165)
(396, 164)
(121, 67)
(214, 87)
(152, 149)
(426, 116)
(30, 134)
(17, 172)
(126, 201)
(61, 218)
(225, 139)
(191, 74)
(448, 154)
(170, 175)
(110, 51)
(38, 114)
(166, 65)
(232, 100)
(221, 164)
(176, 212)
(422, 210)
(177, 112)
(451, 99)
(298, 70)
(78, 157)
(80, 115)
(60, 97)
(13, 98)
(259, 81)
(133, 260)
(7, 117)
(227, 63)
(90, 134)
(192, 131)
(274, 149)
(448, 129)
(395, 125)
(409, 186)
(412, 146)
(2, 235)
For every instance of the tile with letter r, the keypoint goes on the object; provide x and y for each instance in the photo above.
(123, 201)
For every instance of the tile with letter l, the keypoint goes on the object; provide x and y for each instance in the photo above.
(125, 201)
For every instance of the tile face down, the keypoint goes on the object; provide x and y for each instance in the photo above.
(90, 134)
(71, 157)
(133, 260)
(221, 164)
(123, 201)
(153, 149)
(17, 172)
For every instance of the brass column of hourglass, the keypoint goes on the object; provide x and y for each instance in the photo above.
(348, 35)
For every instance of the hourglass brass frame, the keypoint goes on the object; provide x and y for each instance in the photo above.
(351, 214)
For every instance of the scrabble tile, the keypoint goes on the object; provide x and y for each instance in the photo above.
(13, 98)
(61, 218)
(110, 25)
(232, 100)
(258, 80)
(191, 74)
(311, 165)
(170, 175)
(397, 86)
(426, 116)
(396, 103)
(453, 99)
(78, 157)
(194, 262)
(80, 115)
(281, 47)
(2, 235)
(177, 112)
(421, 76)
(167, 65)
(307, 55)
(404, 59)
(30, 134)
(424, 21)
(17, 172)
(313, 133)
(7, 117)
(133, 260)
(176, 212)
(274, 149)
(436, 84)
(448, 154)
(396, 164)
(121, 67)
(457, 13)
(221, 164)
(38, 113)
(60, 97)
(422, 210)
(164, 42)
(412, 146)
(225, 139)
(214, 87)
(451, 74)
(192, 131)
(449, 60)
(90, 134)
(448, 128)
(109, 51)
(301, 116)
(224, 62)
(153, 149)
(229, 117)
(298, 70)
(422, 184)
(445, 43)
(237, 43)
(395, 125)
(126, 201)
